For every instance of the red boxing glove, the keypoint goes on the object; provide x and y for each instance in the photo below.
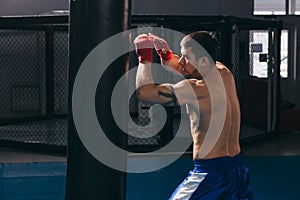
(143, 47)
(162, 47)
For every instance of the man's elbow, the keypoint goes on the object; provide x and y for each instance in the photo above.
(141, 94)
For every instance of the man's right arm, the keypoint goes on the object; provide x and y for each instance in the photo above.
(183, 92)
(147, 90)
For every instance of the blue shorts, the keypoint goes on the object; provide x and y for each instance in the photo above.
(223, 178)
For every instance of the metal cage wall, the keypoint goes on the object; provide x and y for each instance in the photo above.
(233, 35)
(34, 75)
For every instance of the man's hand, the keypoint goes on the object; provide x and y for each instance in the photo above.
(162, 47)
(143, 48)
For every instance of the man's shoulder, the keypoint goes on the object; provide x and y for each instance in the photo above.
(198, 85)
(224, 71)
(221, 66)
(195, 83)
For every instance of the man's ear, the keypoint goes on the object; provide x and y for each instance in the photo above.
(203, 61)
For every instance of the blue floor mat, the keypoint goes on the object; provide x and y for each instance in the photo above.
(273, 177)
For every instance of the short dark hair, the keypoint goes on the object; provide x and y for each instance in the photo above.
(206, 40)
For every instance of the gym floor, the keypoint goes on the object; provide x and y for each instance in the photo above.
(285, 144)
(273, 164)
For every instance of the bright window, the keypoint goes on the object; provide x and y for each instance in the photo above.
(276, 7)
(269, 7)
(294, 7)
(259, 44)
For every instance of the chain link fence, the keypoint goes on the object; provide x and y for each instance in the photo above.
(34, 77)
(33, 83)
(23, 67)
(61, 67)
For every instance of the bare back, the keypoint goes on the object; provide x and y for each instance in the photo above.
(228, 140)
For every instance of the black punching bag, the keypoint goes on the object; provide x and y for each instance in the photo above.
(91, 22)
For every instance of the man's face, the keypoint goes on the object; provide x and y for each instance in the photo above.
(188, 61)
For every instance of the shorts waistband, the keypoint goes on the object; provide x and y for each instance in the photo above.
(219, 163)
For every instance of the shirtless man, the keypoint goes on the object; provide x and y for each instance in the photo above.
(218, 169)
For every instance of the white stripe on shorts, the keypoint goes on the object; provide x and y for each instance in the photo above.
(189, 186)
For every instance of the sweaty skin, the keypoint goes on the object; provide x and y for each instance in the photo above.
(208, 93)
(228, 142)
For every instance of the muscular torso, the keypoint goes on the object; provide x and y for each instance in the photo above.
(225, 104)
(227, 142)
